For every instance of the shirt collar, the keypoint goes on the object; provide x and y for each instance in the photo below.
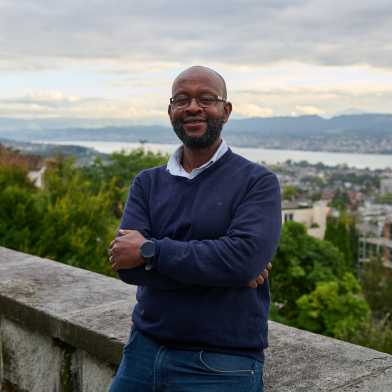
(175, 168)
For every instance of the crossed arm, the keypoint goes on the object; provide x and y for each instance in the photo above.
(126, 260)
(238, 259)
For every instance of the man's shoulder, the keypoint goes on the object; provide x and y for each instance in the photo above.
(152, 172)
(252, 168)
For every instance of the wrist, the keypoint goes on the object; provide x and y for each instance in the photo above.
(147, 253)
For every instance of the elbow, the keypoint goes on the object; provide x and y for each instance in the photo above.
(256, 261)
(247, 270)
(126, 276)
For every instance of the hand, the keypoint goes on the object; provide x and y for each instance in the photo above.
(261, 278)
(124, 250)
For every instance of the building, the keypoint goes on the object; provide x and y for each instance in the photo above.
(377, 245)
(313, 216)
(386, 185)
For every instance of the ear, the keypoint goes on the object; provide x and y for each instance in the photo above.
(227, 108)
(169, 110)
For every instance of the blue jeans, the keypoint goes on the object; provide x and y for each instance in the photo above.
(147, 366)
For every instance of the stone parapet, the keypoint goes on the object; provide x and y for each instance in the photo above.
(62, 329)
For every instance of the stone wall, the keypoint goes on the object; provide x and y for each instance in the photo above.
(62, 329)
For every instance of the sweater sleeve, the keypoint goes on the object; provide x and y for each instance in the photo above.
(236, 258)
(136, 217)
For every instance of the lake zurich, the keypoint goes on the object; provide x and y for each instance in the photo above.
(268, 156)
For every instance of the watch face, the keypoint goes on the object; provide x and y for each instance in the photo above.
(147, 250)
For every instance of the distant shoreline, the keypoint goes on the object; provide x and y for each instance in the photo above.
(267, 155)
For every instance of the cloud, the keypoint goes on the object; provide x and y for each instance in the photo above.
(247, 32)
(151, 107)
(252, 110)
(312, 100)
(308, 110)
(47, 104)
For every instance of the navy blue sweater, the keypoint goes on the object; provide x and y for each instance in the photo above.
(214, 234)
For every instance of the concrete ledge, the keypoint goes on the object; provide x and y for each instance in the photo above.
(302, 361)
(81, 321)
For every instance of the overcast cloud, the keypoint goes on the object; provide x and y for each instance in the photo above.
(320, 48)
(333, 32)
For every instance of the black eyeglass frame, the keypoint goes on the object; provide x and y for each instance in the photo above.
(217, 99)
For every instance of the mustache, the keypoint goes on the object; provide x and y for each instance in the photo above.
(192, 119)
(214, 128)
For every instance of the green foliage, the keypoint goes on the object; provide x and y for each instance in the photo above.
(341, 232)
(313, 288)
(376, 334)
(368, 180)
(114, 176)
(386, 198)
(340, 200)
(377, 285)
(18, 211)
(77, 225)
(290, 192)
(336, 308)
(316, 196)
(14, 175)
(300, 263)
(75, 216)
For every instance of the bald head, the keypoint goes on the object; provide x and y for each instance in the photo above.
(198, 71)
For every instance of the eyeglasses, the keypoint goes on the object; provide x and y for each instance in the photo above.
(204, 101)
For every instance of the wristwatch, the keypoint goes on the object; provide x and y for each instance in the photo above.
(147, 251)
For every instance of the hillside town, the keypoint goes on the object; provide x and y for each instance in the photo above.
(313, 193)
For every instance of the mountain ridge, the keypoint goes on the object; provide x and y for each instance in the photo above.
(349, 133)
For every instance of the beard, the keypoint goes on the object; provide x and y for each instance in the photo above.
(210, 136)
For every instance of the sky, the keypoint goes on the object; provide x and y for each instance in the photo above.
(116, 59)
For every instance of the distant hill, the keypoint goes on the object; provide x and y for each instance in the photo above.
(380, 124)
(82, 155)
(347, 133)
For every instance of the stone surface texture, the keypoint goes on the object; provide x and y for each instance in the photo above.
(29, 356)
(93, 374)
(62, 329)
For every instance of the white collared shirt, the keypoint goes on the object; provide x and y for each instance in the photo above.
(175, 168)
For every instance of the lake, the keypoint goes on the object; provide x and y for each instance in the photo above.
(269, 156)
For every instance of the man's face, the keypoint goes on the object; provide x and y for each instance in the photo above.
(197, 126)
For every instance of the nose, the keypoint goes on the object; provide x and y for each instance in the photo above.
(193, 106)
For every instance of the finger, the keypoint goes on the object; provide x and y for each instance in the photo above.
(112, 243)
(260, 279)
(269, 266)
(113, 251)
(115, 267)
(252, 284)
(111, 260)
(123, 232)
(265, 274)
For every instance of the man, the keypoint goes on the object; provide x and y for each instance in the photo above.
(196, 237)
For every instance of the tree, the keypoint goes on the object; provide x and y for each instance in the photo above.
(300, 263)
(377, 285)
(341, 232)
(19, 213)
(340, 200)
(77, 225)
(115, 174)
(386, 198)
(336, 308)
(376, 334)
(76, 214)
(290, 192)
